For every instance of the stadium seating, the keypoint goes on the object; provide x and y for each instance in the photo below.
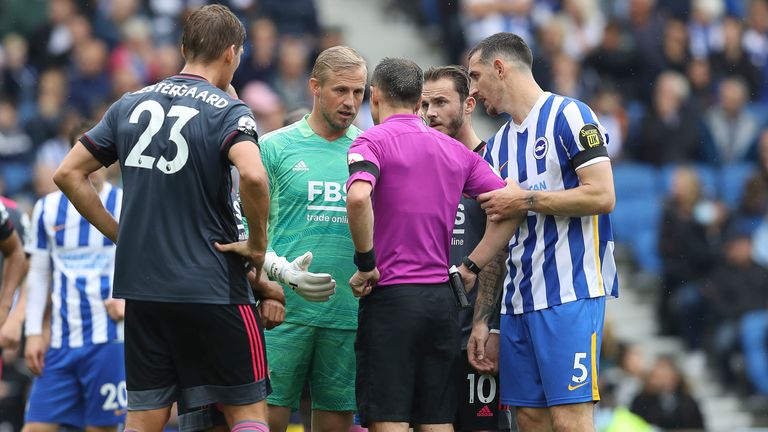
(708, 176)
(635, 181)
(731, 182)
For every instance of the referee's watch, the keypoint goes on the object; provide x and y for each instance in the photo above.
(469, 264)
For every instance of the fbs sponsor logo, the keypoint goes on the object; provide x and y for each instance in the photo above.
(485, 411)
(300, 166)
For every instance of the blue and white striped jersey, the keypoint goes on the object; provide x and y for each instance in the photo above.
(554, 260)
(83, 264)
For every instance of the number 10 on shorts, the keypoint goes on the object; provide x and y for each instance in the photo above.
(479, 384)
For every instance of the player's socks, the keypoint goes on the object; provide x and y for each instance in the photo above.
(250, 426)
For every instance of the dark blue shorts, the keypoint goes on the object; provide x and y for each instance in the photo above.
(551, 356)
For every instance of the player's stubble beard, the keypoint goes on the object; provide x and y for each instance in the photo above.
(336, 124)
(489, 108)
(454, 126)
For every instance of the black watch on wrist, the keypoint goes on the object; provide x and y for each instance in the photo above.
(468, 263)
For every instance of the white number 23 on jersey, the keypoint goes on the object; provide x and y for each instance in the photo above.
(137, 159)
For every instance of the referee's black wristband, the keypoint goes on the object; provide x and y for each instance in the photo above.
(365, 261)
(470, 265)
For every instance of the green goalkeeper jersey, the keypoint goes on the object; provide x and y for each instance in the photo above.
(307, 176)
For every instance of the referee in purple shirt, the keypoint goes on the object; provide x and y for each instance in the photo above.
(409, 179)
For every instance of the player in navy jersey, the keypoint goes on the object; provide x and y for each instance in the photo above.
(192, 332)
(560, 264)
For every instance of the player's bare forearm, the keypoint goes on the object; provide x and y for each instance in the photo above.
(489, 288)
(594, 195)
(86, 200)
(265, 288)
(19, 312)
(254, 196)
(72, 178)
(14, 267)
(497, 236)
(360, 214)
(254, 192)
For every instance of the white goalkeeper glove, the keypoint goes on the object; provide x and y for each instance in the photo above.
(314, 287)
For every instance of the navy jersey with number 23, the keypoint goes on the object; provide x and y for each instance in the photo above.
(172, 140)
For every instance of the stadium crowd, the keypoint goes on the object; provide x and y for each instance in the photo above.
(681, 87)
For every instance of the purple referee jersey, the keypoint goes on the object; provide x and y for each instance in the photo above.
(418, 177)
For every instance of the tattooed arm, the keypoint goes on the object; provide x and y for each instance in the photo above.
(497, 237)
(490, 282)
(488, 313)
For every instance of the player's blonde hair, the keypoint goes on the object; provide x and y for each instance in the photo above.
(336, 59)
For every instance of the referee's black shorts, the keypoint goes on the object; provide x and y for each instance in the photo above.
(196, 354)
(407, 348)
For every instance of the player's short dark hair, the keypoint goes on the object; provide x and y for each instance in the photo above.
(455, 73)
(209, 31)
(400, 81)
(508, 45)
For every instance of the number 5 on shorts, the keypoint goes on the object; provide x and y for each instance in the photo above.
(577, 358)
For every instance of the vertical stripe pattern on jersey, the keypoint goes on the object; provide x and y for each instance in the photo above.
(552, 259)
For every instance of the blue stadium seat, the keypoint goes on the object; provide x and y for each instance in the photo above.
(731, 182)
(645, 249)
(636, 225)
(632, 216)
(708, 176)
(635, 181)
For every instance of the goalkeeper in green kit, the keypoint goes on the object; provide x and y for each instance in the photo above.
(307, 167)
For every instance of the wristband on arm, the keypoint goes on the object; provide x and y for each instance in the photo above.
(365, 261)
(470, 265)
